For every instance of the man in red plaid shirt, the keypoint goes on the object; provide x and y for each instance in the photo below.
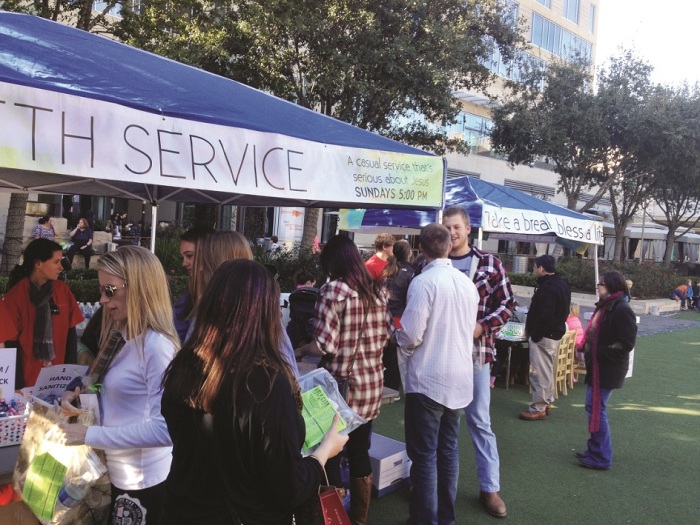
(495, 308)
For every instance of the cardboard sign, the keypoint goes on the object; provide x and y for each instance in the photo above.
(53, 381)
(8, 366)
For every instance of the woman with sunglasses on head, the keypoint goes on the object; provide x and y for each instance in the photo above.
(136, 304)
(610, 336)
(42, 312)
(352, 324)
(233, 409)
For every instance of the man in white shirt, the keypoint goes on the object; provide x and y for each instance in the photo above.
(438, 344)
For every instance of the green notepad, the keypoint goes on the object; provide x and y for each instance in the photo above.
(318, 413)
(44, 480)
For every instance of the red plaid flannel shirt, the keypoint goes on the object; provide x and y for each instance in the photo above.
(495, 302)
(338, 324)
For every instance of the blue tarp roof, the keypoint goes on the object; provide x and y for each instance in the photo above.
(39, 53)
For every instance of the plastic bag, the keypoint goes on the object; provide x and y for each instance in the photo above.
(61, 484)
(318, 417)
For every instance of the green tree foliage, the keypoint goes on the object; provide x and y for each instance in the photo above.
(77, 13)
(594, 138)
(392, 67)
(675, 115)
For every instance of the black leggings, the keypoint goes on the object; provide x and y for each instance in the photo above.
(130, 508)
(85, 253)
(357, 452)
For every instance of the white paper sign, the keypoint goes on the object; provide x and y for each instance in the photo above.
(8, 368)
(55, 379)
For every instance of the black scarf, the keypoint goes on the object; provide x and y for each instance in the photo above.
(43, 327)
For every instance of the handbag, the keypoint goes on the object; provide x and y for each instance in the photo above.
(325, 509)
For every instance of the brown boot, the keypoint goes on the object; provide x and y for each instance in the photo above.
(360, 495)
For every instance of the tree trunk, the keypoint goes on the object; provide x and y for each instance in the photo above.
(14, 231)
(309, 233)
(670, 238)
(619, 241)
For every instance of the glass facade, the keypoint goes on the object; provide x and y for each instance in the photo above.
(557, 40)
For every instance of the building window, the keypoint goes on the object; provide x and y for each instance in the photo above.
(472, 129)
(571, 10)
(557, 40)
(546, 3)
(591, 21)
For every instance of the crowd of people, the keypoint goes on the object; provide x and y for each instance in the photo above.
(201, 407)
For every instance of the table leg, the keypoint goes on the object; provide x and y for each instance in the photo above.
(510, 349)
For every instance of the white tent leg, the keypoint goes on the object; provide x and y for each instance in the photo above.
(154, 225)
(595, 266)
(480, 239)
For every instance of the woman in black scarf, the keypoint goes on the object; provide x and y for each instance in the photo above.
(43, 310)
(610, 337)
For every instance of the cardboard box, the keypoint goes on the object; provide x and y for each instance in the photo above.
(390, 465)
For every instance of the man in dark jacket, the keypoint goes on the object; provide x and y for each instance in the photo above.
(545, 326)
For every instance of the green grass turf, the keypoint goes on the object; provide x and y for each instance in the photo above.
(655, 425)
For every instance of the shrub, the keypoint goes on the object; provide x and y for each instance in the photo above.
(651, 280)
(168, 251)
(85, 290)
(289, 262)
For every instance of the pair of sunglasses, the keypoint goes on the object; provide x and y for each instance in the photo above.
(109, 289)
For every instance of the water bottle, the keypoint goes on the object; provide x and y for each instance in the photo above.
(73, 491)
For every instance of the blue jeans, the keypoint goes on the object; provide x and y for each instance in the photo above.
(599, 451)
(432, 432)
(479, 425)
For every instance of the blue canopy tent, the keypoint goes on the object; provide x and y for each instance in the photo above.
(503, 212)
(83, 114)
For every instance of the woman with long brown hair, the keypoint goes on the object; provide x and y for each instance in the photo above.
(233, 406)
(396, 277)
(352, 325)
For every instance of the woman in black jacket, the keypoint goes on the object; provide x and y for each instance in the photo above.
(610, 337)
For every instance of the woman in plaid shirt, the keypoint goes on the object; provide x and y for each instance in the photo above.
(352, 324)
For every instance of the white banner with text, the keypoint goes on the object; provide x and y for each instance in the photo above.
(529, 222)
(64, 134)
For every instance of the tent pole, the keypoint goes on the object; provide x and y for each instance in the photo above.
(480, 239)
(595, 263)
(154, 218)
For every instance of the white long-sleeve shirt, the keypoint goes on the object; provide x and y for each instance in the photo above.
(437, 334)
(134, 434)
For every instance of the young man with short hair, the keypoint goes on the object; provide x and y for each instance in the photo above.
(495, 308)
(384, 245)
(545, 326)
(436, 337)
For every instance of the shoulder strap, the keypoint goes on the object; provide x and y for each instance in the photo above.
(357, 343)
(472, 266)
